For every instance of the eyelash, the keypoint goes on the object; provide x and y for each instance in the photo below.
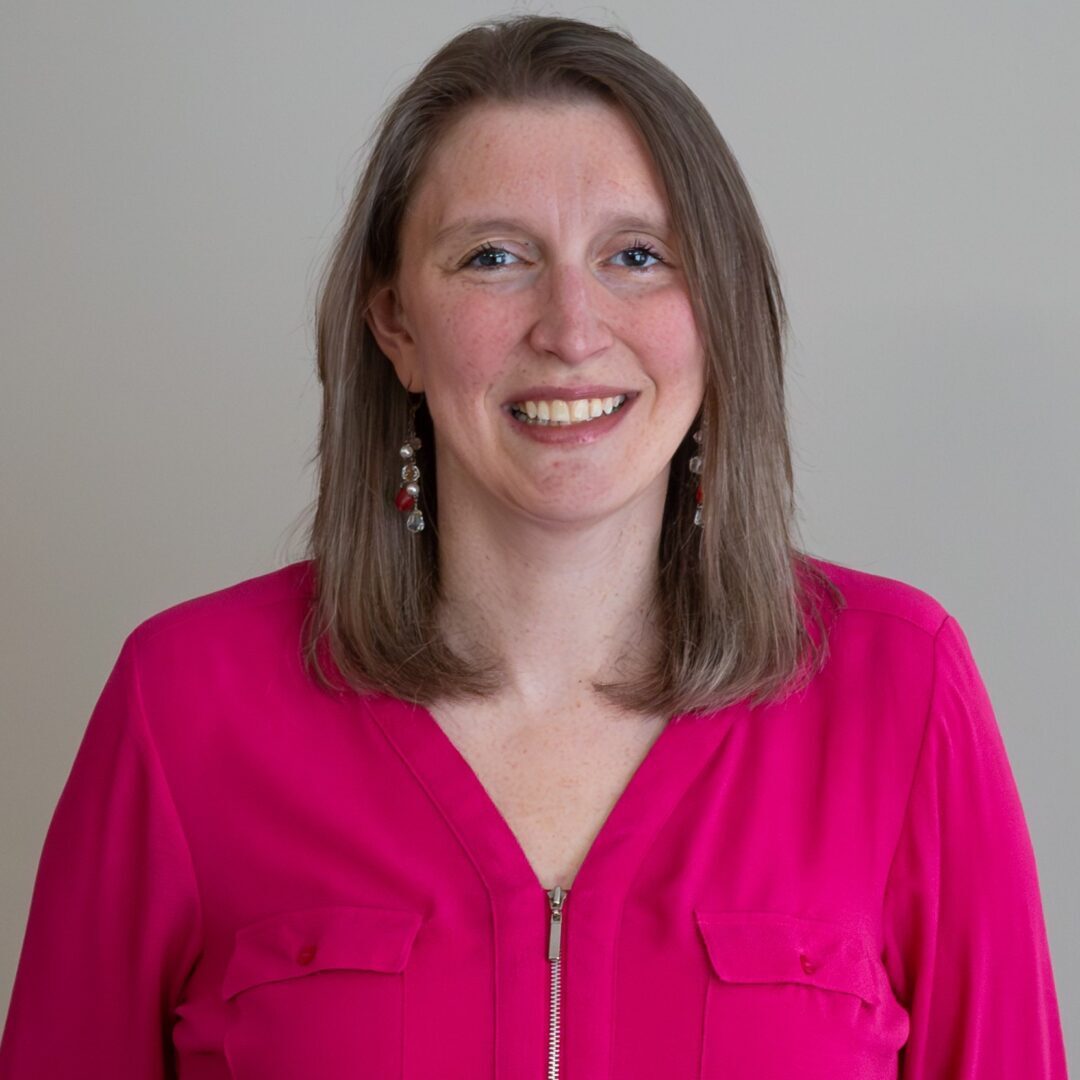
(637, 245)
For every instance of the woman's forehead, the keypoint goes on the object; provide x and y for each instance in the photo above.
(498, 160)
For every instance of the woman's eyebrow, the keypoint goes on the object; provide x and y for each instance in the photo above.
(468, 226)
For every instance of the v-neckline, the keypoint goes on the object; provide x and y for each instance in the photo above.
(673, 760)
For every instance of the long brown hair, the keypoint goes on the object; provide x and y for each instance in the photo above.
(741, 611)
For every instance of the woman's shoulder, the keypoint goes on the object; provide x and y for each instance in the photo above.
(253, 624)
(241, 599)
(873, 599)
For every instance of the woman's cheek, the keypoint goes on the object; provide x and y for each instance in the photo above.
(494, 323)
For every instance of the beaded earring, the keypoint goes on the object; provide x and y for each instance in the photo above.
(696, 466)
(407, 499)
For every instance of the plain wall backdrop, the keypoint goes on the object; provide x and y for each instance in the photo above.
(171, 177)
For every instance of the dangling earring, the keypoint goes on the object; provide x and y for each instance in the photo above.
(408, 497)
(696, 466)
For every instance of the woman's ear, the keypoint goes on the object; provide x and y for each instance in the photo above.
(386, 321)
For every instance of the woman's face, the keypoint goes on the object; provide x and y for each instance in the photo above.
(539, 275)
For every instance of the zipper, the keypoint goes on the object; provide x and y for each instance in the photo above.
(556, 899)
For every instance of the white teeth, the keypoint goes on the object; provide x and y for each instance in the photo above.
(574, 411)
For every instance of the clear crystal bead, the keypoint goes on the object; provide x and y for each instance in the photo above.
(413, 442)
(697, 436)
(410, 473)
(697, 516)
(415, 521)
(696, 464)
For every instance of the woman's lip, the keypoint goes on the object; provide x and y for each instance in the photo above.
(579, 434)
(568, 393)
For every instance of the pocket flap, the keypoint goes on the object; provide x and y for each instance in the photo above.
(318, 939)
(770, 947)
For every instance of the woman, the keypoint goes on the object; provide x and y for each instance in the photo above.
(556, 754)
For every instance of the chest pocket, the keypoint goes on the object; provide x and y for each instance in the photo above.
(318, 992)
(789, 996)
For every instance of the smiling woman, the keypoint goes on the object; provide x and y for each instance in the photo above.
(549, 215)
(583, 767)
(567, 302)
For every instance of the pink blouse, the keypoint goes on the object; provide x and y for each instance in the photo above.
(247, 878)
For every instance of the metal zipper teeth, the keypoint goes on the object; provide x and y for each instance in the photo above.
(556, 899)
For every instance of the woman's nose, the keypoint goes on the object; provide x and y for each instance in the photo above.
(569, 323)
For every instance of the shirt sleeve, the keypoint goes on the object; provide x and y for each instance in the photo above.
(115, 922)
(965, 938)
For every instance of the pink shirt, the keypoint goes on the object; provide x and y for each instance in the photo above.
(245, 878)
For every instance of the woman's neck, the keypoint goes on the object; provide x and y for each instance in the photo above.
(559, 605)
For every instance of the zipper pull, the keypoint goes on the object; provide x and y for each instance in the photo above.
(556, 899)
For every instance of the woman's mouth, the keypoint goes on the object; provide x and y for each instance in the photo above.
(558, 412)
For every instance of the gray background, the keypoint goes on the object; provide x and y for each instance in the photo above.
(170, 180)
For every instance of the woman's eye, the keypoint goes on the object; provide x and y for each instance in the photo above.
(487, 257)
(639, 256)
